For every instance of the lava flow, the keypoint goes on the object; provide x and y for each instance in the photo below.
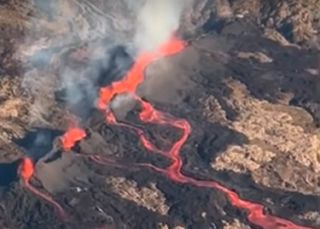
(27, 171)
(149, 114)
(71, 137)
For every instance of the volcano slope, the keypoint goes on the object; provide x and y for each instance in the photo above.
(250, 93)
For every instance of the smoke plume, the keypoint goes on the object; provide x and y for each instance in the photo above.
(81, 46)
(113, 33)
(157, 20)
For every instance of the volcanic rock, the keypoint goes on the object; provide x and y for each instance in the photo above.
(247, 82)
(52, 174)
(148, 197)
(274, 132)
(236, 224)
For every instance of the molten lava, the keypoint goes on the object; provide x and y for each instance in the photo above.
(71, 137)
(149, 114)
(27, 171)
(135, 77)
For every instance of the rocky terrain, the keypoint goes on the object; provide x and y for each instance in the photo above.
(248, 82)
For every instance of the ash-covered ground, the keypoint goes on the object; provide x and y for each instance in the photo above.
(248, 82)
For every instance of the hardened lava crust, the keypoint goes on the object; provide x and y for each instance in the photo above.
(247, 82)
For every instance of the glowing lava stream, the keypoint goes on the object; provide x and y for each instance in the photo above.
(27, 171)
(71, 137)
(149, 114)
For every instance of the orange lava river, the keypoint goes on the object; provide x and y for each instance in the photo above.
(149, 114)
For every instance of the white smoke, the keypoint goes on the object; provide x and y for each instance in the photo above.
(157, 20)
(139, 25)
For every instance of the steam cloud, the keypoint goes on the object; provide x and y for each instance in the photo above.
(134, 25)
(157, 21)
(111, 32)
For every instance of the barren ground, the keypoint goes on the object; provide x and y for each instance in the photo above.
(248, 83)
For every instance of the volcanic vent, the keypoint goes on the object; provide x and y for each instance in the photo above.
(176, 133)
(149, 114)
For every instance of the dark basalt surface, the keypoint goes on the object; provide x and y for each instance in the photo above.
(205, 69)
